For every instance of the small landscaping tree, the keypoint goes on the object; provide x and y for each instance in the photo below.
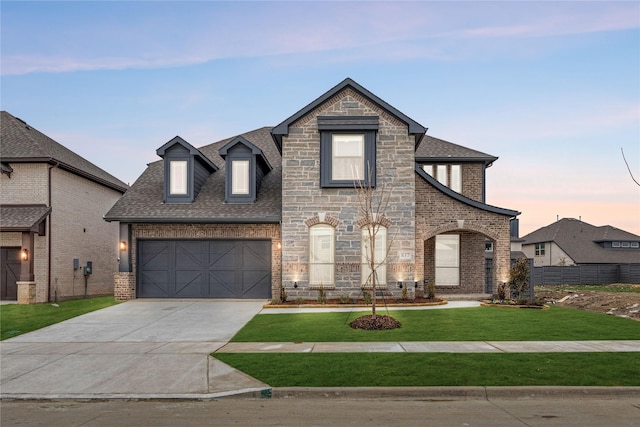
(372, 206)
(520, 280)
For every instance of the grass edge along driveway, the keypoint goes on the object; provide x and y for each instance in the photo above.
(441, 369)
(18, 319)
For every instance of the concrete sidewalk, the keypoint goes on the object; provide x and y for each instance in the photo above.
(434, 347)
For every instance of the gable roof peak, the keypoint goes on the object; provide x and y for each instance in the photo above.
(414, 128)
(193, 151)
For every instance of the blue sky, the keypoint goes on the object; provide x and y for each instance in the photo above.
(551, 88)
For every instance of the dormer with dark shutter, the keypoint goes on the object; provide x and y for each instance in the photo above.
(185, 170)
(246, 166)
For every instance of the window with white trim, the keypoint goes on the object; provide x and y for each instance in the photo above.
(540, 249)
(428, 169)
(447, 260)
(240, 176)
(347, 157)
(441, 175)
(321, 255)
(178, 176)
(456, 178)
(380, 258)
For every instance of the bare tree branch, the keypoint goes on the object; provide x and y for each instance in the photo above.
(628, 168)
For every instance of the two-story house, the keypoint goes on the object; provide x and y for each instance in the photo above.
(52, 203)
(278, 206)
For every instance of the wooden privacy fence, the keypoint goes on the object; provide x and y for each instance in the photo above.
(585, 274)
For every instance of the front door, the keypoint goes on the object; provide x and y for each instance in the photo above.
(9, 273)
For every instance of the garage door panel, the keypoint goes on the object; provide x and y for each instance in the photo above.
(256, 284)
(188, 284)
(154, 284)
(204, 268)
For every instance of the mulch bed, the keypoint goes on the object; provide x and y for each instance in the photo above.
(377, 323)
(380, 302)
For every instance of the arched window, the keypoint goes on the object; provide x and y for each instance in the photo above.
(380, 258)
(321, 255)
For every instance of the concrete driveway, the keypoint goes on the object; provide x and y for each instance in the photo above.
(141, 348)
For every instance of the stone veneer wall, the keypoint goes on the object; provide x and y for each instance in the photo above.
(436, 214)
(303, 199)
(125, 283)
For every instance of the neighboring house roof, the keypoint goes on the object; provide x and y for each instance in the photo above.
(282, 129)
(144, 200)
(438, 150)
(459, 197)
(22, 217)
(579, 240)
(22, 143)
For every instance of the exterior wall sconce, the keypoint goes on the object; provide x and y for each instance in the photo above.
(24, 255)
(400, 285)
(295, 285)
(123, 246)
(279, 245)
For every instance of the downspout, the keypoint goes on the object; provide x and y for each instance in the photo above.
(51, 166)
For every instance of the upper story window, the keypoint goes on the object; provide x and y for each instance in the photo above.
(321, 255)
(540, 249)
(185, 170)
(246, 167)
(347, 151)
(178, 177)
(447, 175)
(240, 177)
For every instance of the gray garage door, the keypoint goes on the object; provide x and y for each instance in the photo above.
(9, 273)
(204, 269)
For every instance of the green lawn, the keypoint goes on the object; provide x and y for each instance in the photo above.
(438, 369)
(462, 324)
(19, 319)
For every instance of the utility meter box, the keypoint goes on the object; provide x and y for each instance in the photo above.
(76, 263)
(88, 269)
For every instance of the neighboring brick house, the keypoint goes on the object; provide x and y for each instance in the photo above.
(571, 241)
(277, 207)
(52, 203)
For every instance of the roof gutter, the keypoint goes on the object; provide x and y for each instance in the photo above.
(209, 220)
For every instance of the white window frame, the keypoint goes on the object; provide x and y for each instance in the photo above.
(428, 169)
(355, 171)
(615, 244)
(441, 175)
(635, 244)
(178, 178)
(322, 255)
(380, 256)
(456, 178)
(626, 244)
(240, 177)
(447, 261)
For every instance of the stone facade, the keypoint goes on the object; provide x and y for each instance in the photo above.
(304, 199)
(125, 283)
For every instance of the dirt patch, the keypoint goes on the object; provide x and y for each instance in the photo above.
(371, 323)
(600, 300)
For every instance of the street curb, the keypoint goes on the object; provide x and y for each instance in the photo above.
(366, 393)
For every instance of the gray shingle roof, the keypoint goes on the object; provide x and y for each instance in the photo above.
(579, 240)
(436, 149)
(21, 143)
(22, 217)
(144, 200)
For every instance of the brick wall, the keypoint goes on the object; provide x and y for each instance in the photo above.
(436, 214)
(303, 199)
(28, 184)
(125, 283)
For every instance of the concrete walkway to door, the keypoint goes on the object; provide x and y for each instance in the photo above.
(141, 348)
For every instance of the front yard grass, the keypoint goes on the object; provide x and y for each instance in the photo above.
(438, 369)
(461, 324)
(441, 369)
(18, 319)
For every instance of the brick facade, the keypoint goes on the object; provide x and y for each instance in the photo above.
(125, 283)
(74, 229)
(437, 213)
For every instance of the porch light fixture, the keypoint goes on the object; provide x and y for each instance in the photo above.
(400, 285)
(295, 285)
(24, 255)
(123, 246)
(279, 245)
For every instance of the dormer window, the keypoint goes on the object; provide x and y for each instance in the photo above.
(246, 167)
(185, 170)
(178, 172)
